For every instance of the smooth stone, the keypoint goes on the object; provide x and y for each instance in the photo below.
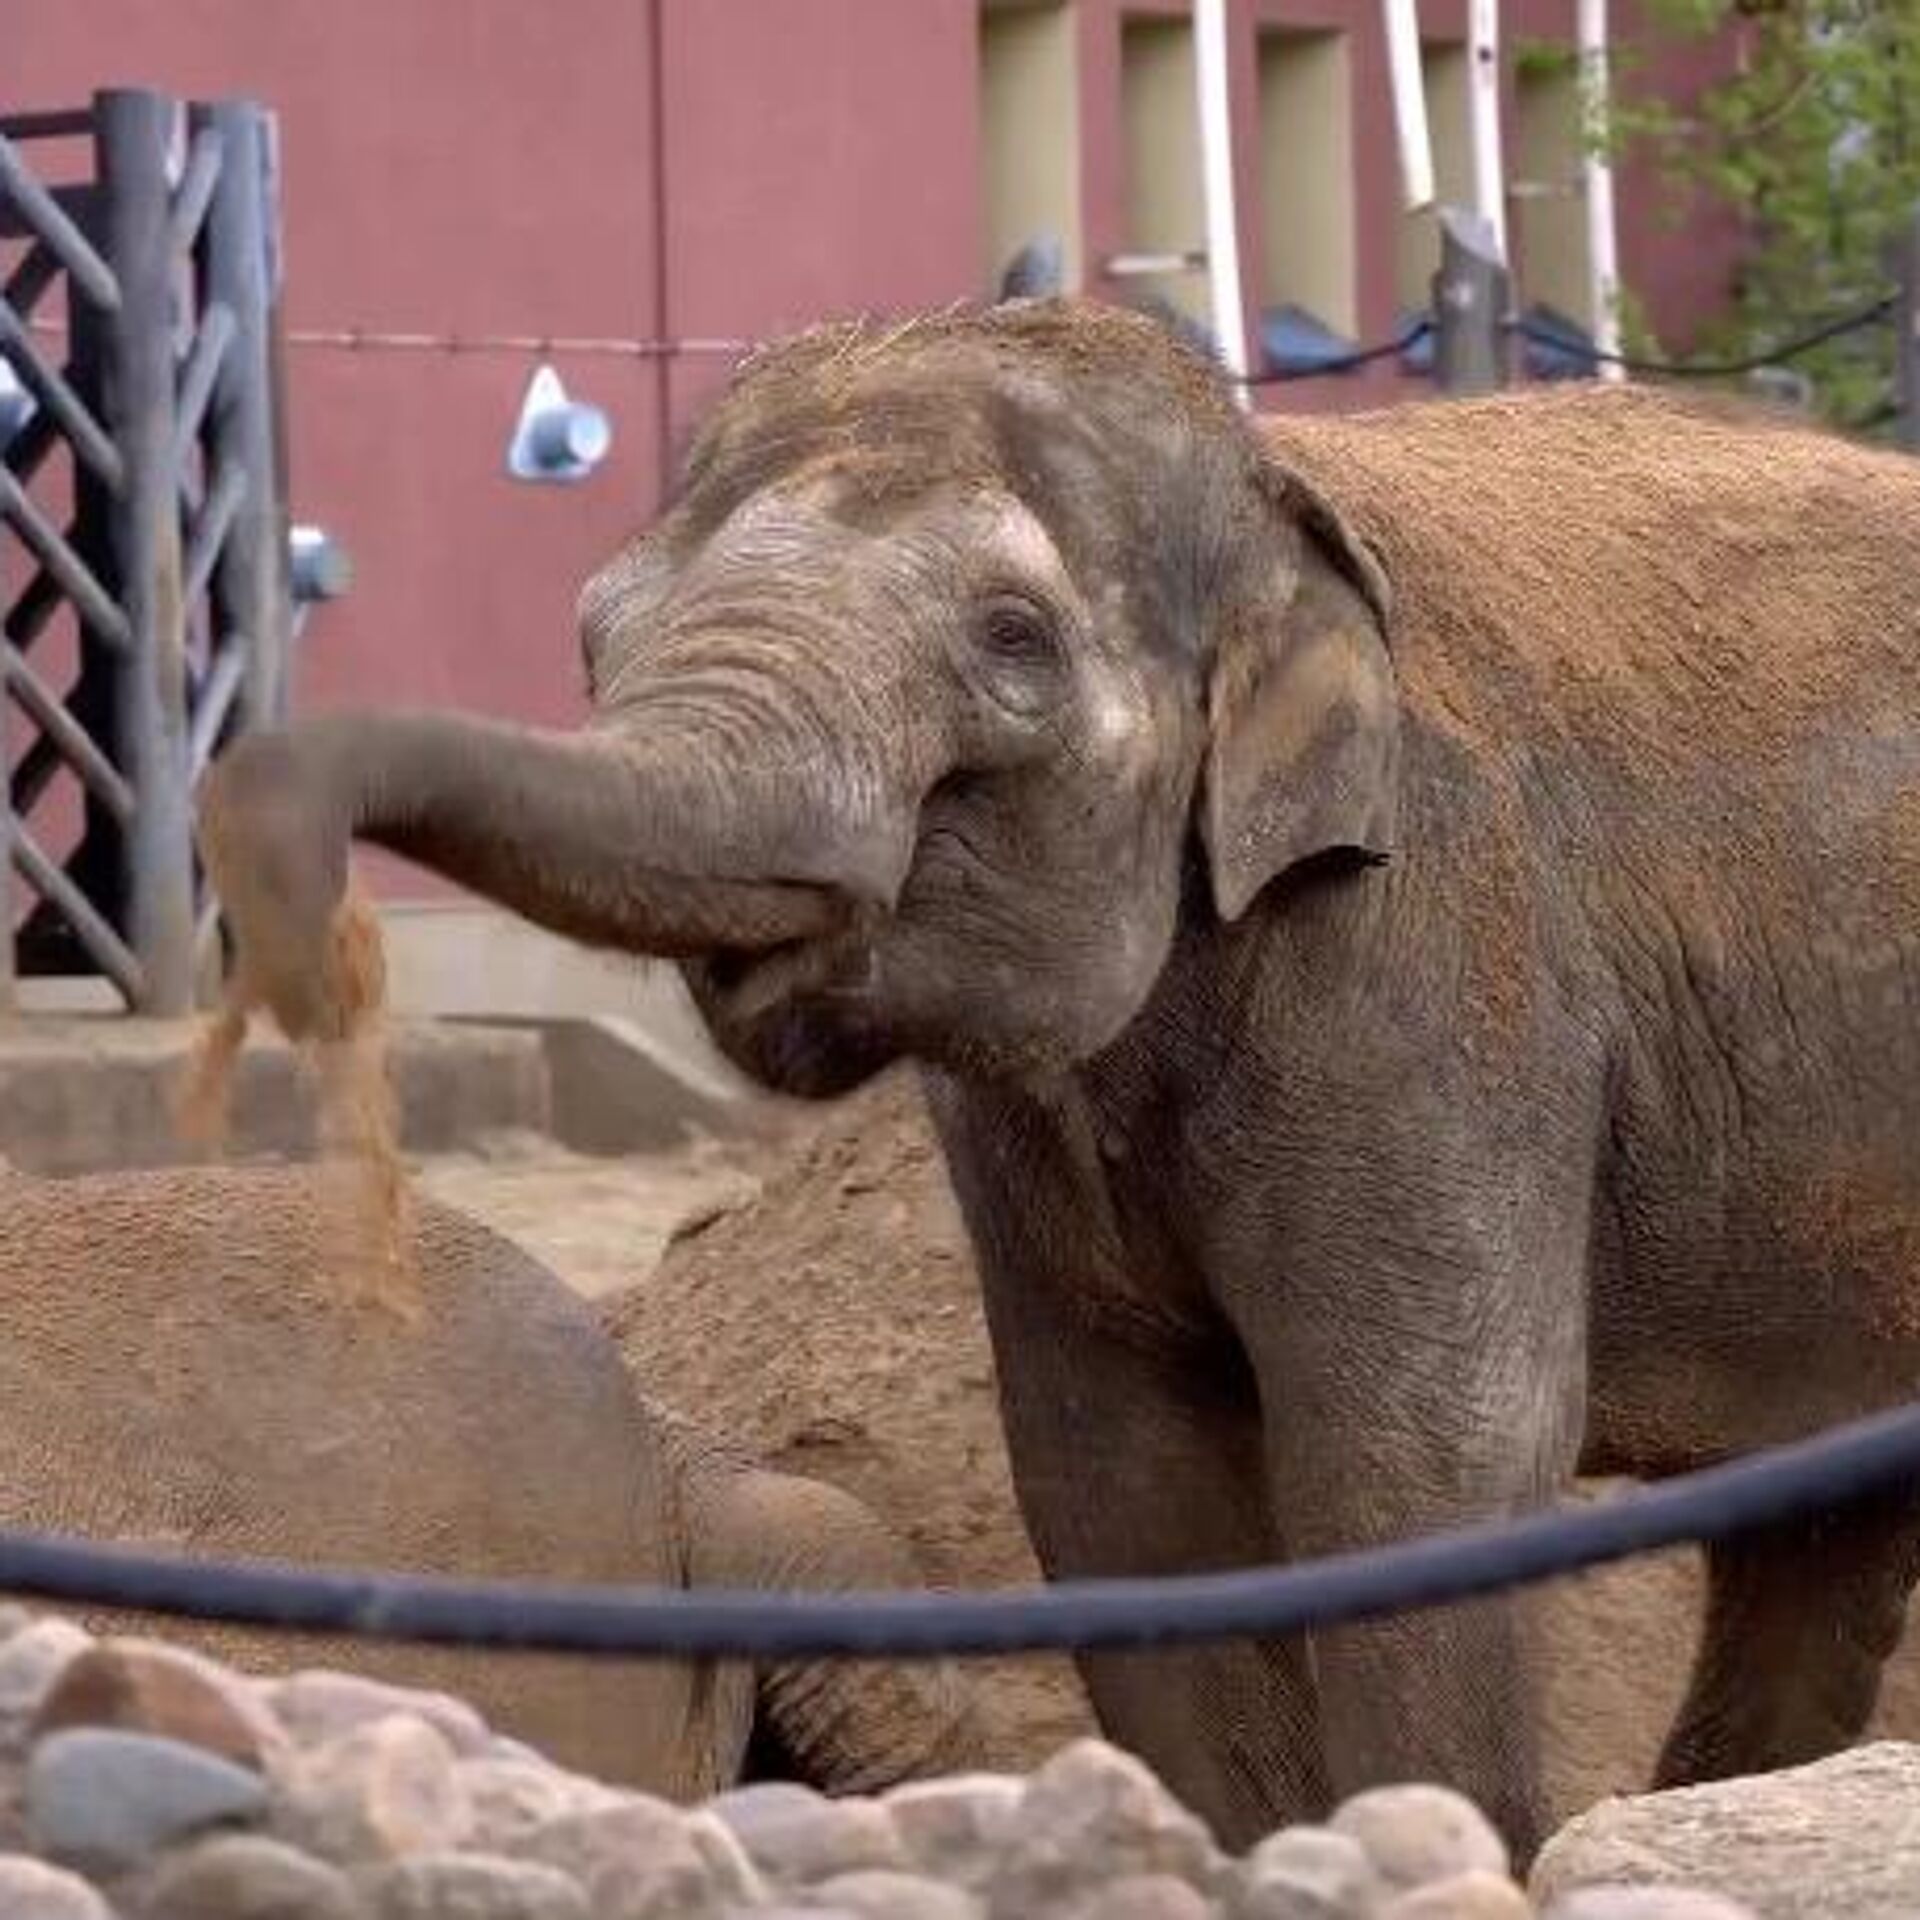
(375, 1794)
(510, 1797)
(955, 1827)
(1647, 1903)
(878, 1894)
(245, 1876)
(474, 1886)
(646, 1860)
(1308, 1873)
(320, 1705)
(799, 1837)
(105, 1801)
(1418, 1832)
(32, 1890)
(32, 1660)
(1093, 1814)
(1143, 1896)
(142, 1686)
(1476, 1895)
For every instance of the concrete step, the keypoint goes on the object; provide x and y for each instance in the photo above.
(84, 1093)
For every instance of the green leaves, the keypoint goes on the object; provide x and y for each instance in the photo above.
(1814, 141)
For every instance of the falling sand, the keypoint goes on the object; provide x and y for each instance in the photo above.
(364, 1199)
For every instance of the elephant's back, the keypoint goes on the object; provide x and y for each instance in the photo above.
(182, 1368)
(1609, 563)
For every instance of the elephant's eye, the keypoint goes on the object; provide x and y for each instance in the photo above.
(1016, 633)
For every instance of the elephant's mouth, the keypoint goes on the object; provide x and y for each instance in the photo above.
(748, 982)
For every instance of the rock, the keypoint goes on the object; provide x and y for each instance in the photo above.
(1417, 1833)
(510, 1797)
(473, 1886)
(1837, 1840)
(142, 1686)
(245, 1876)
(1144, 1896)
(1647, 1903)
(375, 1794)
(877, 1894)
(31, 1661)
(580, 1841)
(954, 1827)
(1090, 1815)
(1475, 1895)
(320, 1705)
(645, 1860)
(1308, 1873)
(32, 1890)
(799, 1837)
(104, 1801)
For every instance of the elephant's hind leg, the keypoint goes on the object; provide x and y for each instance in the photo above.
(1800, 1619)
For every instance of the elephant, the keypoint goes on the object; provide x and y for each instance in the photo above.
(1409, 923)
(184, 1371)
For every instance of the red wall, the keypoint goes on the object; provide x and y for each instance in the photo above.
(477, 167)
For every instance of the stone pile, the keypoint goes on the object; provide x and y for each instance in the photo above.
(142, 1781)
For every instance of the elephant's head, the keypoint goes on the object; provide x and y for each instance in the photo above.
(958, 648)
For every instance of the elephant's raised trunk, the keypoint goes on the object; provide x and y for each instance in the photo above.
(653, 852)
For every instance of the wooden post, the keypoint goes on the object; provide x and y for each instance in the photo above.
(1906, 337)
(1471, 295)
(139, 138)
(252, 594)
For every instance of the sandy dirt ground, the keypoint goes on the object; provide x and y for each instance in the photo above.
(816, 1300)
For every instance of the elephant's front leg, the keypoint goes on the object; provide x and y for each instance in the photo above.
(1414, 1383)
(1135, 1450)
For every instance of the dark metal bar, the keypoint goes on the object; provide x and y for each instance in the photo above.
(196, 189)
(116, 960)
(240, 261)
(31, 445)
(217, 693)
(50, 388)
(43, 215)
(38, 765)
(56, 123)
(45, 709)
(40, 599)
(1471, 293)
(208, 540)
(140, 139)
(95, 605)
(197, 377)
(38, 269)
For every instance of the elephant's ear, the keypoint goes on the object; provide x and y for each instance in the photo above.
(1303, 721)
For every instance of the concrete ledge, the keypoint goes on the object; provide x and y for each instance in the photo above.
(86, 1094)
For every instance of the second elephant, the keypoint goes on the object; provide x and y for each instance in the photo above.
(181, 1372)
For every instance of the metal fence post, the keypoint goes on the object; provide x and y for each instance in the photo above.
(1471, 295)
(253, 602)
(1906, 336)
(139, 137)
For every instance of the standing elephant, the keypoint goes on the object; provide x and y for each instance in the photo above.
(1412, 927)
(184, 1367)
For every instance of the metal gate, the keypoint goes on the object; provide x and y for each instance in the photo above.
(144, 568)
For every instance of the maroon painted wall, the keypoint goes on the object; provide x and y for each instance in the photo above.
(697, 171)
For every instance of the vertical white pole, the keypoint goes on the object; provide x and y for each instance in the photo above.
(1216, 176)
(1603, 258)
(1483, 117)
(1409, 104)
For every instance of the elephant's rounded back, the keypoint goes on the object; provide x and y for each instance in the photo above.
(182, 1369)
